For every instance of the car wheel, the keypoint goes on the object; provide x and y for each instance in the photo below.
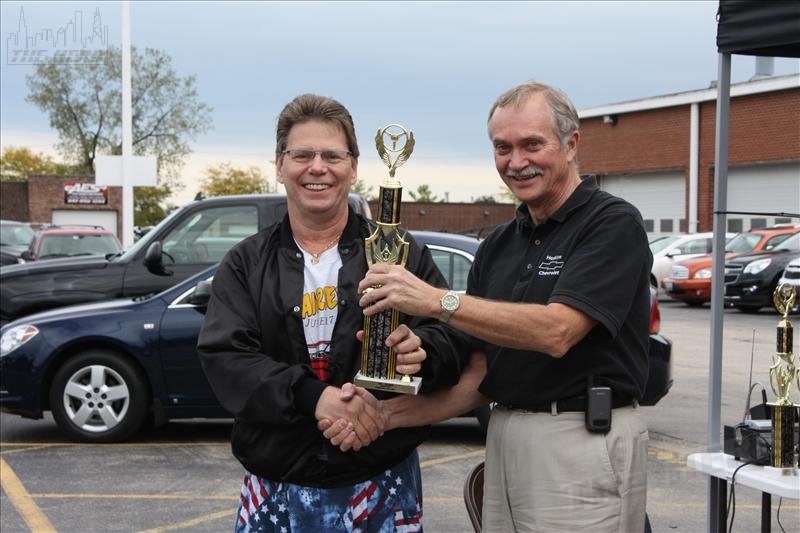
(98, 396)
(694, 303)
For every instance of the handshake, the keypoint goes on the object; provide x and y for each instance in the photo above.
(351, 417)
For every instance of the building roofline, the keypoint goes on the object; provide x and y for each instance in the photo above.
(777, 83)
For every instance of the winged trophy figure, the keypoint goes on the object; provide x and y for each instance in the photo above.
(384, 152)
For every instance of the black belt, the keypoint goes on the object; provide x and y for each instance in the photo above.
(569, 405)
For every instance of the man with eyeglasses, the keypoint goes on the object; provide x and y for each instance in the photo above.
(558, 306)
(303, 156)
(279, 342)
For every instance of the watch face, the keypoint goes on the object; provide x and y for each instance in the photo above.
(450, 302)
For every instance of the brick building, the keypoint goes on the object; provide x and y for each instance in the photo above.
(659, 154)
(477, 219)
(62, 200)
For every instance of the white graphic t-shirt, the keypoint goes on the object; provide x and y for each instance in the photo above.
(320, 307)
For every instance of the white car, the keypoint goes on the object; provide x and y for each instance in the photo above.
(791, 275)
(670, 249)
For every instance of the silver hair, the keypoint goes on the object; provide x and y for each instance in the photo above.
(563, 115)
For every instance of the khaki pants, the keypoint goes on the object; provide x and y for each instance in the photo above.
(548, 473)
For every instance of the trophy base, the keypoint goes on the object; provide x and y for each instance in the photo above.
(390, 385)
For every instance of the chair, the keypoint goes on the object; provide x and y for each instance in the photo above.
(473, 495)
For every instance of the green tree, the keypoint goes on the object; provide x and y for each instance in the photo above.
(424, 195)
(506, 196)
(225, 179)
(16, 163)
(485, 199)
(84, 104)
(150, 205)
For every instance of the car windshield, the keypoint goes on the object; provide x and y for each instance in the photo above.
(661, 243)
(15, 235)
(71, 245)
(792, 244)
(744, 242)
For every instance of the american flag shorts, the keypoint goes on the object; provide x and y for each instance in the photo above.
(390, 502)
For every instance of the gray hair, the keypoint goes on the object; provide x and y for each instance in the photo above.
(563, 115)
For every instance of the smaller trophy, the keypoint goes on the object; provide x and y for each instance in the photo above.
(782, 374)
(386, 245)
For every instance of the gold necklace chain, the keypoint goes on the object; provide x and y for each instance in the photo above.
(315, 256)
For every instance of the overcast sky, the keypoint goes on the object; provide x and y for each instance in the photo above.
(434, 67)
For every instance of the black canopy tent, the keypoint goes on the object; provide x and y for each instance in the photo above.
(745, 27)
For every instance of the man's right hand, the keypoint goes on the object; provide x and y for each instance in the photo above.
(353, 413)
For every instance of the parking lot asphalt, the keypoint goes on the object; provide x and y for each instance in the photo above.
(183, 477)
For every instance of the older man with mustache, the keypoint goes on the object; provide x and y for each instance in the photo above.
(557, 305)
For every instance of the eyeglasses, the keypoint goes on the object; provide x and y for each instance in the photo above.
(305, 155)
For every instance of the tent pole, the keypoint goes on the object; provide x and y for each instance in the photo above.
(715, 498)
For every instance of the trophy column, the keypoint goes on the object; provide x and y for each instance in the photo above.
(386, 245)
(782, 374)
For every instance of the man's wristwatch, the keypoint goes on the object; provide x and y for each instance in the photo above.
(449, 302)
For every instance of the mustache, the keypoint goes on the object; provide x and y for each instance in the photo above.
(530, 170)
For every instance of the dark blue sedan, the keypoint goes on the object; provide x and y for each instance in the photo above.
(103, 368)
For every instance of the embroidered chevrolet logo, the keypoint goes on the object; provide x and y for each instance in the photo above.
(551, 265)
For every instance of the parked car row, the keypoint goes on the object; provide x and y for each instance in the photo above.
(105, 368)
(751, 279)
(669, 249)
(689, 280)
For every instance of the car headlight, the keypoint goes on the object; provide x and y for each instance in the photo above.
(16, 337)
(756, 266)
(703, 273)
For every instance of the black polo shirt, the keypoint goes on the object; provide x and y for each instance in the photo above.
(592, 255)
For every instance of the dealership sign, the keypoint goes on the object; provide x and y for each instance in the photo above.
(85, 193)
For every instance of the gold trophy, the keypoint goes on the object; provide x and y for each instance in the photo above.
(387, 245)
(782, 374)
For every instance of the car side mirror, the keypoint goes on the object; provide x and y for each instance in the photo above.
(201, 294)
(26, 255)
(153, 260)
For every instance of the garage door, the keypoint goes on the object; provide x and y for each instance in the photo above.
(773, 188)
(105, 219)
(659, 196)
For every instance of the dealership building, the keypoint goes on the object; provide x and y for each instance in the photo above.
(658, 153)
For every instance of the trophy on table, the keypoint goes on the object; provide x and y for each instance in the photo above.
(782, 374)
(386, 245)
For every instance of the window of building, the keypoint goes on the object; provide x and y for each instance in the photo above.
(735, 225)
